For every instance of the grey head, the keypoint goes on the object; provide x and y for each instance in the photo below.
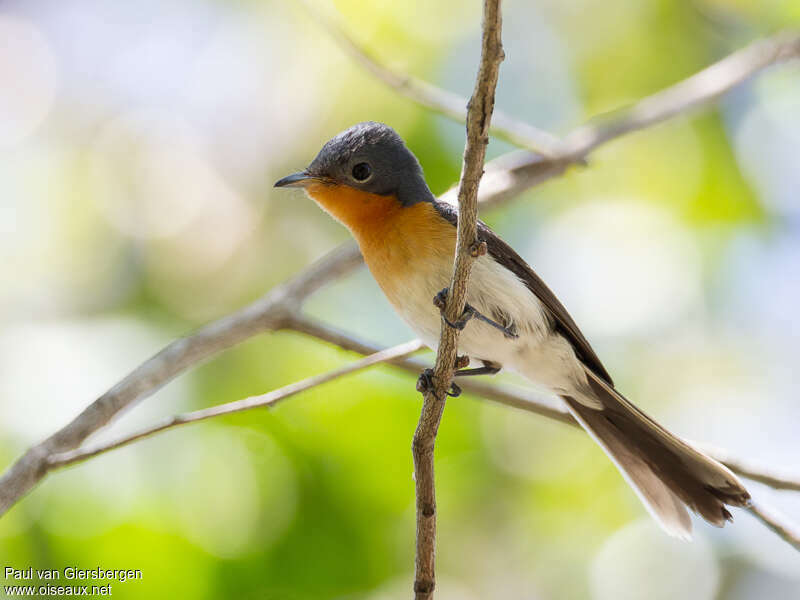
(370, 157)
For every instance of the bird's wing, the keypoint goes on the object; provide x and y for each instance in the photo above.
(506, 256)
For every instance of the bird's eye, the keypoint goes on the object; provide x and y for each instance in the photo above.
(362, 171)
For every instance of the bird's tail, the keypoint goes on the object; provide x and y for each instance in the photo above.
(665, 471)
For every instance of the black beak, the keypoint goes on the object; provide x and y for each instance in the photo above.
(300, 179)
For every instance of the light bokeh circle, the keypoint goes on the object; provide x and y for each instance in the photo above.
(28, 77)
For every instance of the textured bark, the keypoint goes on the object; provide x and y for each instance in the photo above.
(479, 116)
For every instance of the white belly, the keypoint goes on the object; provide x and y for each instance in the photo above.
(538, 354)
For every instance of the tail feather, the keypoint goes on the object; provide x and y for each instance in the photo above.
(667, 473)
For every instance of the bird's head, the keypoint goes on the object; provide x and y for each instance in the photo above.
(363, 169)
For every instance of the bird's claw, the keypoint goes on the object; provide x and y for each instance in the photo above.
(478, 249)
(440, 302)
(440, 299)
(425, 381)
(425, 384)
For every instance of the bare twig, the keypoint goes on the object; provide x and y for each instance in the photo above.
(265, 314)
(516, 172)
(531, 401)
(262, 400)
(479, 116)
(701, 88)
(438, 100)
(548, 406)
(777, 522)
(773, 478)
(398, 355)
(770, 477)
(522, 398)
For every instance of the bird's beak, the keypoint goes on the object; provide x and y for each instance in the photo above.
(299, 179)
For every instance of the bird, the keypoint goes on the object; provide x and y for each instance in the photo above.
(367, 179)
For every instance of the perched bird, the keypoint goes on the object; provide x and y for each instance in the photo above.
(367, 179)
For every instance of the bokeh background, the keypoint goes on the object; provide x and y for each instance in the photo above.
(138, 145)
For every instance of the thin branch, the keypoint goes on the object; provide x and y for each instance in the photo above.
(513, 173)
(547, 406)
(516, 172)
(777, 480)
(438, 100)
(703, 87)
(777, 522)
(262, 400)
(770, 477)
(516, 397)
(479, 116)
(531, 401)
(265, 314)
(520, 398)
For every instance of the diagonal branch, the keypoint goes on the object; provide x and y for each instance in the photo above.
(519, 398)
(775, 479)
(262, 400)
(431, 97)
(701, 88)
(514, 397)
(778, 523)
(479, 115)
(522, 398)
(516, 172)
(527, 400)
(530, 401)
(268, 313)
(398, 356)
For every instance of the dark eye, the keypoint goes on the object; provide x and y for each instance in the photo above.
(361, 172)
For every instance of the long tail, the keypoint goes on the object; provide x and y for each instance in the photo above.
(666, 472)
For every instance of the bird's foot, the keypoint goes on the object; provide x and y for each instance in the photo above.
(440, 302)
(425, 384)
(425, 381)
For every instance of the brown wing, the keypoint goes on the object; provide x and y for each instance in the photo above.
(505, 255)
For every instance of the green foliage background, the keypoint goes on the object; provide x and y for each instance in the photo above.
(314, 499)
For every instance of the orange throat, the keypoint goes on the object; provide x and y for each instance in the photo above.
(362, 213)
(398, 242)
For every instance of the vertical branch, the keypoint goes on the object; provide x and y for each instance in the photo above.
(479, 115)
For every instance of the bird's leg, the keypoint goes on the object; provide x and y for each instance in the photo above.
(425, 380)
(488, 368)
(509, 332)
(440, 301)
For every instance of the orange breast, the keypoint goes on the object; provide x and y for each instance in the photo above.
(400, 244)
